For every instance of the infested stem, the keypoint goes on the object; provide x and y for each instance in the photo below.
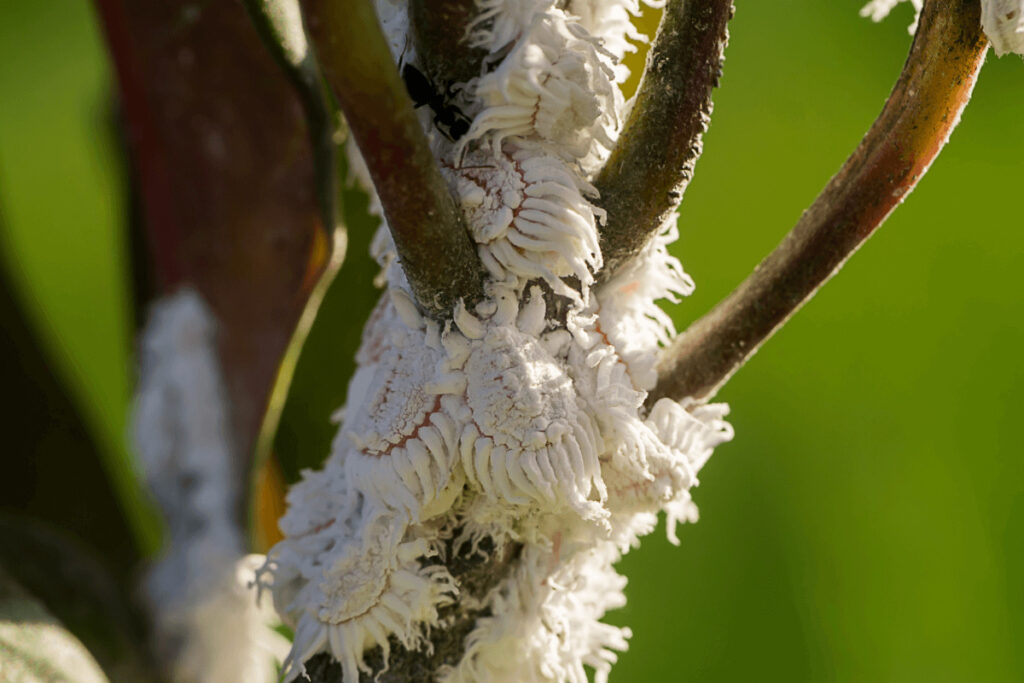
(916, 122)
(430, 236)
(440, 33)
(434, 38)
(477, 574)
(643, 180)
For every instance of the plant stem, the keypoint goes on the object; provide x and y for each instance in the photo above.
(477, 574)
(440, 32)
(434, 248)
(924, 107)
(643, 180)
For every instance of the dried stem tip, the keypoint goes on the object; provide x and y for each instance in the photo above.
(433, 246)
(643, 180)
(915, 123)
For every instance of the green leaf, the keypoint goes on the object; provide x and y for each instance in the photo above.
(327, 360)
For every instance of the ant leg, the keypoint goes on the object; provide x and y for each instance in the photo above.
(438, 124)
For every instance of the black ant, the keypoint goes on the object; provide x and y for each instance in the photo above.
(448, 119)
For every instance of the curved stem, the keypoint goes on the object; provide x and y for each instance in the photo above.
(433, 245)
(643, 180)
(279, 23)
(921, 112)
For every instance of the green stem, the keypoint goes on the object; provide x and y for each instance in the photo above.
(434, 247)
(643, 181)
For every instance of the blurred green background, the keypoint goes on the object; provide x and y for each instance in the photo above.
(867, 523)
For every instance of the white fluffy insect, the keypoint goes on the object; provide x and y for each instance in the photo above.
(877, 10)
(352, 575)
(1003, 21)
(556, 85)
(530, 440)
(521, 420)
(205, 622)
(530, 216)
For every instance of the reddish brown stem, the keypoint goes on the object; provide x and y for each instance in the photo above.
(434, 248)
(224, 167)
(921, 112)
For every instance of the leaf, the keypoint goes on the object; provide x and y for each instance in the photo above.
(77, 589)
(327, 361)
(34, 647)
(225, 174)
(280, 23)
(55, 470)
(318, 385)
